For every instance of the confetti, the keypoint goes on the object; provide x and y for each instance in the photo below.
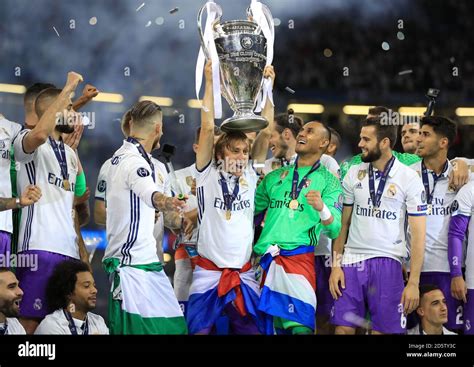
(400, 36)
(327, 52)
(93, 21)
(452, 59)
(288, 89)
(276, 22)
(159, 20)
(404, 72)
(56, 32)
(148, 24)
(385, 46)
(174, 10)
(175, 112)
(141, 6)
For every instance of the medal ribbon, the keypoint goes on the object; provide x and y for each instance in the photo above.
(144, 154)
(426, 181)
(295, 188)
(60, 154)
(376, 197)
(228, 198)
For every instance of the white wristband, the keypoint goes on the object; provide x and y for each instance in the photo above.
(324, 214)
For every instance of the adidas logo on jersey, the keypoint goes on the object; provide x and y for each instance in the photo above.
(358, 186)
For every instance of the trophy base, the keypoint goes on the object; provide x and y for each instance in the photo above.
(245, 123)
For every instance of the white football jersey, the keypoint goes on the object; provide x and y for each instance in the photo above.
(56, 323)
(184, 179)
(48, 224)
(8, 131)
(381, 232)
(101, 186)
(130, 210)
(464, 205)
(437, 221)
(13, 327)
(226, 242)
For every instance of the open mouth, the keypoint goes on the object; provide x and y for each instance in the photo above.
(17, 302)
(301, 141)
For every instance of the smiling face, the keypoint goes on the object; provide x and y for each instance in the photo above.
(369, 144)
(433, 308)
(410, 134)
(10, 294)
(277, 144)
(84, 296)
(312, 138)
(232, 153)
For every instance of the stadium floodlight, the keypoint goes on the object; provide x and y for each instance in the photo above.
(161, 101)
(108, 98)
(306, 108)
(464, 111)
(12, 88)
(356, 109)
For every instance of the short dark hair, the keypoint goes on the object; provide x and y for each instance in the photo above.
(225, 141)
(63, 282)
(378, 110)
(217, 132)
(441, 126)
(32, 92)
(45, 99)
(335, 134)
(143, 111)
(4, 269)
(288, 121)
(426, 288)
(382, 130)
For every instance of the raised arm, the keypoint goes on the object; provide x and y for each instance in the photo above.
(47, 122)
(260, 145)
(206, 137)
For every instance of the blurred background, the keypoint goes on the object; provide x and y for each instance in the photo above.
(333, 59)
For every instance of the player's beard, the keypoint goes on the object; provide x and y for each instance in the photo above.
(282, 149)
(372, 155)
(65, 129)
(9, 309)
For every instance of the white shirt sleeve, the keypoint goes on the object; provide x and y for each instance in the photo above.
(348, 188)
(101, 186)
(202, 176)
(20, 154)
(416, 196)
(140, 180)
(331, 164)
(464, 201)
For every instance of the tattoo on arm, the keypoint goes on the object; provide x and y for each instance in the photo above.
(172, 220)
(162, 202)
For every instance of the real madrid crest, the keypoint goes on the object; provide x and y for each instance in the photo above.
(276, 165)
(392, 190)
(361, 174)
(243, 182)
(189, 180)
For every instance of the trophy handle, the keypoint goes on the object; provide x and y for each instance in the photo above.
(199, 24)
(268, 16)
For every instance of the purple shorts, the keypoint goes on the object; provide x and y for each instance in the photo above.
(455, 307)
(5, 243)
(33, 281)
(323, 295)
(469, 313)
(374, 285)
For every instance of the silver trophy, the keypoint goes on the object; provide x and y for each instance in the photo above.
(242, 51)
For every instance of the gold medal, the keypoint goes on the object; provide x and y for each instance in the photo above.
(66, 185)
(228, 214)
(294, 204)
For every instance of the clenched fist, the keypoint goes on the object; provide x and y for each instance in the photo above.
(30, 195)
(314, 199)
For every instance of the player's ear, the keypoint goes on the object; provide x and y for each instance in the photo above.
(195, 148)
(420, 312)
